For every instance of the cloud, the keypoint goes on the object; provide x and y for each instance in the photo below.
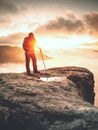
(67, 25)
(7, 7)
(70, 24)
(94, 45)
(4, 22)
(12, 39)
(91, 20)
(23, 15)
(7, 10)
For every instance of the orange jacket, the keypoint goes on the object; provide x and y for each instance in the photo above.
(29, 44)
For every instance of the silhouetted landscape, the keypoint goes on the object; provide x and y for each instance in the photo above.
(10, 54)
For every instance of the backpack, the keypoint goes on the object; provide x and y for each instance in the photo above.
(28, 44)
(25, 43)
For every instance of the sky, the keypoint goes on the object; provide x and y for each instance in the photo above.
(63, 23)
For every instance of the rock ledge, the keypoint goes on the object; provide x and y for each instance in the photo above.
(28, 103)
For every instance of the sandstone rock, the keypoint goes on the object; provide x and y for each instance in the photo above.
(83, 79)
(28, 103)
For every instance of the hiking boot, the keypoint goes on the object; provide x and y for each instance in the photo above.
(29, 74)
(36, 72)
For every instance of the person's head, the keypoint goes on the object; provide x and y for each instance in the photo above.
(31, 34)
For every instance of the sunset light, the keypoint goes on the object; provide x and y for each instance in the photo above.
(70, 42)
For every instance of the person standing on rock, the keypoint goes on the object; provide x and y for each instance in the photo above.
(29, 44)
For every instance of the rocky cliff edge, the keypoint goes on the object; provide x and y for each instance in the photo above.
(61, 99)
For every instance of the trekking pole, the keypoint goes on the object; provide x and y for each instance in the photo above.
(44, 63)
(43, 60)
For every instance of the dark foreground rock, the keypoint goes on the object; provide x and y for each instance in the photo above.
(28, 103)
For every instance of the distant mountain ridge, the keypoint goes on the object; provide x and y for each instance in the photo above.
(10, 54)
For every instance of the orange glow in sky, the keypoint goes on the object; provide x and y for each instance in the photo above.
(70, 42)
(47, 19)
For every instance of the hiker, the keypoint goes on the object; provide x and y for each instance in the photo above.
(29, 44)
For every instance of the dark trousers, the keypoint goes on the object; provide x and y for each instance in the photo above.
(34, 62)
